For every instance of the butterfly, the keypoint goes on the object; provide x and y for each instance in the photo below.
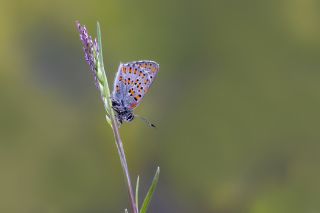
(131, 83)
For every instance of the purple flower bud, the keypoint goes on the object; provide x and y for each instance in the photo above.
(90, 49)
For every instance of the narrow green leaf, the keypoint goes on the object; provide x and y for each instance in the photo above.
(101, 70)
(152, 188)
(100, 44)
(137, 193)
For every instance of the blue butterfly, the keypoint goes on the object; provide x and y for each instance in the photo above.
(132, 82)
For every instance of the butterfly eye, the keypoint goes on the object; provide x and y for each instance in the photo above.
(130, 117)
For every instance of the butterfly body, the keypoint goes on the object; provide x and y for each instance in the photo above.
(132, 82)
(123, 113)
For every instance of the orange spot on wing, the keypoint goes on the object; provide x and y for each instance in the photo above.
(153, 69)
(137, 97)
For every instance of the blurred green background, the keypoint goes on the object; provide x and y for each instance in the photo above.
(236, 103)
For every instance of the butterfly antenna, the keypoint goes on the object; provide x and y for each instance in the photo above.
(146, 121)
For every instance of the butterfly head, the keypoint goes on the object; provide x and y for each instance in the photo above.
(127, 116)
(122, 113)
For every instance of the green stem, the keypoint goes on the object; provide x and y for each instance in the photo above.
(123, 162)
(114, 124)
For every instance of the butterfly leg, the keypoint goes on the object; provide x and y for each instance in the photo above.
(119, 122)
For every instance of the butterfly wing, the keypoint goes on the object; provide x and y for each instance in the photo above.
(133, 81)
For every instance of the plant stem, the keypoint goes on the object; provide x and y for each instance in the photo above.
(114, 124)
(119, 145)
(123, 163)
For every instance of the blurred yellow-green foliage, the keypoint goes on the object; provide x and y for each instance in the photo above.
(236, 103)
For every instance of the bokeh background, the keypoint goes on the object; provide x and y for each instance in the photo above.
(236, 103)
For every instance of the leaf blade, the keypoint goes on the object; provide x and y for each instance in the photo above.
(101, 71)
(152, 188)
(137, 192)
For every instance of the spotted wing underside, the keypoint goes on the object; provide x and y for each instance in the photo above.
(133, 81)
